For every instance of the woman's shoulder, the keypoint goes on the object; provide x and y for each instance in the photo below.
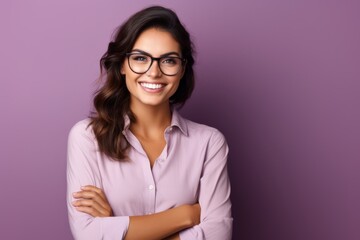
(203, 130)
(82, 129)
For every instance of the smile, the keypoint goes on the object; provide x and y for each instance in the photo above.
(152, 85)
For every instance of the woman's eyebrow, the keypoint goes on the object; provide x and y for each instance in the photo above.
(162, 55)
(170, 53)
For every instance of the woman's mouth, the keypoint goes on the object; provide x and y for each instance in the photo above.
(152, 87)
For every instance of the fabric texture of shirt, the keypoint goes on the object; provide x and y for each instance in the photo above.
(191, 168)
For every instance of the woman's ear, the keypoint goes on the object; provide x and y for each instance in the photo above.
(122, 70)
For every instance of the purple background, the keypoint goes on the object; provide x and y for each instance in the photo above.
(279, 78)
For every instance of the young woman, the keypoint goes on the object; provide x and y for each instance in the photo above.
(136, 168)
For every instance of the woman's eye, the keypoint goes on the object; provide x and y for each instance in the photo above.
(169, 61)
(140, 58)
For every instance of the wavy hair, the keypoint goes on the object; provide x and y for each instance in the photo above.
(112, 100)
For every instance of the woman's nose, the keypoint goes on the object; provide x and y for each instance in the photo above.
(154, 70)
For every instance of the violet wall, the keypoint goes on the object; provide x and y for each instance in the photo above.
(279, 78)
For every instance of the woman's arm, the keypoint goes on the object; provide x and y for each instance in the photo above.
(87, 224)
(163, 224)
(92, 200)
(214, 195)
(175, 236)
(82, 170)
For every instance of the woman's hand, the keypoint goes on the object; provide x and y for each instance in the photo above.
(173, 237)
(92, 200)
(193, 213)
(196, 213)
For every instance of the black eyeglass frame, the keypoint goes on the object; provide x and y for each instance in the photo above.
(183, 62)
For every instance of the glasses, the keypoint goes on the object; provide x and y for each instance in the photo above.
(141, 62)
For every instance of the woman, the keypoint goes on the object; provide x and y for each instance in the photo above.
(136, 168)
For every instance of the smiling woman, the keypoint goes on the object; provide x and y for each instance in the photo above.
(148, 81)
(136, 168)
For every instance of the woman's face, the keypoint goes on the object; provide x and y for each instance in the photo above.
(152, 88)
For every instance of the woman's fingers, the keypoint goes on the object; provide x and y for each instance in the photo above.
(94, 189)
(88, 195)
(97, 209)
(89, 210)
(88, 204)
(94, 195)
(93, 201)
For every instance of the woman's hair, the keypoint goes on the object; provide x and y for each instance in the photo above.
(112, 100)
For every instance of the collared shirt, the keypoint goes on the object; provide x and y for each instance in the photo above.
(191, 168)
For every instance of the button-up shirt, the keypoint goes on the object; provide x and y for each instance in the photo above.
(192, 168)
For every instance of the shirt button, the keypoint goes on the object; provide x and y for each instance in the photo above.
(170, 129)
(151, 187)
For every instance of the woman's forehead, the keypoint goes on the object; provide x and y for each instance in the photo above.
(156, 42)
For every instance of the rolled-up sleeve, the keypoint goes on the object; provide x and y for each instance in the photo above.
(214, 195)
(82, 170)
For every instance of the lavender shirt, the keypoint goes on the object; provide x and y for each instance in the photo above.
(192, 168)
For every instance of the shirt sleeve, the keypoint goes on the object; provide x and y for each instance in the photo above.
(82, 169)
(214, 195)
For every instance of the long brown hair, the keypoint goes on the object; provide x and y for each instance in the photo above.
(112, 100)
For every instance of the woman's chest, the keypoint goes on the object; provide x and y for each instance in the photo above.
(134, 188)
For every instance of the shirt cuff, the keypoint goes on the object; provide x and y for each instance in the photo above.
(114, 228)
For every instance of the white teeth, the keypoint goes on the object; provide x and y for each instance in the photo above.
(152, 85)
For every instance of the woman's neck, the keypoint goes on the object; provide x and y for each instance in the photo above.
(150, 121)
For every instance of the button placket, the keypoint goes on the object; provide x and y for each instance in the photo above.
(149, 188)
(151, 192)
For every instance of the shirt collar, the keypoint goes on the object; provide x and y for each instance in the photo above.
(176, 121)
